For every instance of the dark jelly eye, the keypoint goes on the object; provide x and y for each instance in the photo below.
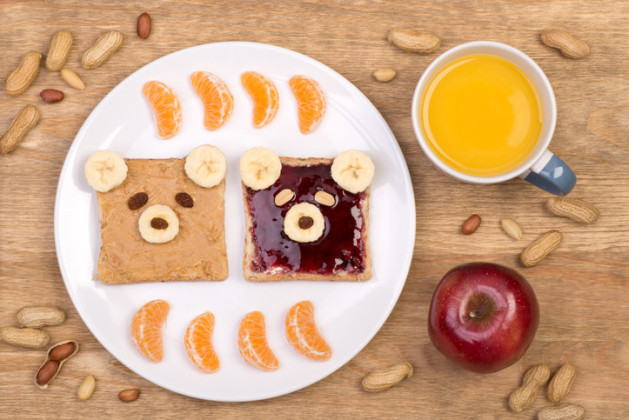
(138, 200)
(184, 200)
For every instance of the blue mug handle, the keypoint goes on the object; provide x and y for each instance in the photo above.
(551, 174)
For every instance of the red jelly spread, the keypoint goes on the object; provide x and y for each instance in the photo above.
(341, 248)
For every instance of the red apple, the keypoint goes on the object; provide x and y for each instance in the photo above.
(483, 316)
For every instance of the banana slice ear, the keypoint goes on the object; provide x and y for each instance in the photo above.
(105, 170)
(259, 168)
(353, 171)
(206, 166)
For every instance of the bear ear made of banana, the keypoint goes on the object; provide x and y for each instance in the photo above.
(351, 170)
(205, 166)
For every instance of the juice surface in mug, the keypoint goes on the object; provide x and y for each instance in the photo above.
(481, 115)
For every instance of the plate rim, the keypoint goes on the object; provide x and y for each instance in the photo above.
(399, 155)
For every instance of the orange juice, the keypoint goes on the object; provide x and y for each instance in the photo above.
(481, 115)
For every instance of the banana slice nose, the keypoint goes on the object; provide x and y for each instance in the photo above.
(304, 223)
(158, 224)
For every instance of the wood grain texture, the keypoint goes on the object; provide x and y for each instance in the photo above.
(583, 288)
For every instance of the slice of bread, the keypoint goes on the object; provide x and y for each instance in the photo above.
(198, 251)
(342, 253)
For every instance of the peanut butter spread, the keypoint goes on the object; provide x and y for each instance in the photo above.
(198, 250)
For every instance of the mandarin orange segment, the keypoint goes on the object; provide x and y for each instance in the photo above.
(166, 108)
(252, 343)
(302, 332)
(310, 103)
(146, 329)
(218, 101)
(198, 342)
(264, 95)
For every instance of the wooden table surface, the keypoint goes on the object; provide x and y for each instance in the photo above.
(583, 288)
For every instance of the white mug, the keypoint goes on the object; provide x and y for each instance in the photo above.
(541, 167)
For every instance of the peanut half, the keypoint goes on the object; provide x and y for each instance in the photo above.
(414, 41)
(284, 197)
(23, 76)
(324, 198)
(24, 337)
(104, 47)
(561, 383)
(59, 50)
(534, 379)
(540, 248)
(573, 208)
(562, 412)
(384, 74)
(40, 316)
(72, 79)
(569, 46)
(384, 379)
(26, 119)
(511, 228)
(87, 388)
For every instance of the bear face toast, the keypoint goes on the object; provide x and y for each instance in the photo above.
(161, 219)
(306, 219)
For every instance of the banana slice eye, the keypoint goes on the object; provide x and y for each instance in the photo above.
(105, 170)
(206, 166)
(304, 223)
(353, 171)
(259, 168)
(158, 224)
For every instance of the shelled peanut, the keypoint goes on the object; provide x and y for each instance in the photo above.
(56, 356)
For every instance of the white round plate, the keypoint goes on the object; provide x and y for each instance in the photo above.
(348, 314)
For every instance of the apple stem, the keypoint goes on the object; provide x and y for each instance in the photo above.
(478, 312)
